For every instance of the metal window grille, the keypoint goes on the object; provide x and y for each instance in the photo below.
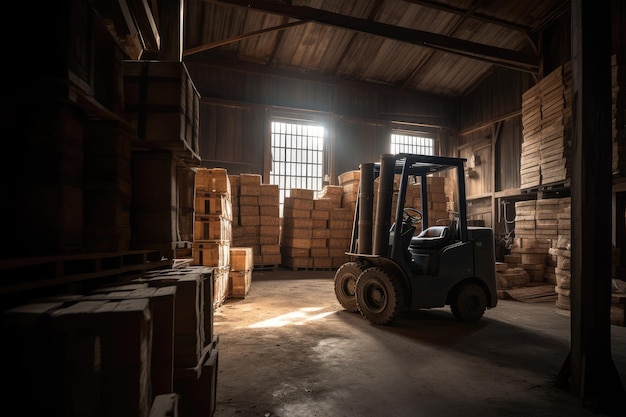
(297, 157)
(403, 143)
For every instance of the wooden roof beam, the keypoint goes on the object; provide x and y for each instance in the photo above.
(498, 56)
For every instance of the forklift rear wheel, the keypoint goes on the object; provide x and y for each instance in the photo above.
(379, 295)
(345, 284)
(469, 303)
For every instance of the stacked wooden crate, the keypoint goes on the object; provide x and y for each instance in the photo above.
(332, 203)
(269, 233)
(547, 130)
(256, 221)
(340, 223)
(107, 187)
(248, 219)
(619, 113)
(195, 344)
(437, 200)
(350, 182)
(157, 184)
(297, 229)
(240, 276)
(163, 106)
(213, 226)
(96, 359)
(336, 195)
(321, 233)
(149, 337)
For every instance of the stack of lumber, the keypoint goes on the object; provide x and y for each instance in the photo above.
(532, 255)
(547, 130)
(563, 273)
(213, 217)
(539, 226)
(556, 126)
(619, 113)
(531, 131)
(546, 218)
(510, 277)
(525, 214)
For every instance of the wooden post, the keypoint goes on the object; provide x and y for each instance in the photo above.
(171, 29)
(589, 372)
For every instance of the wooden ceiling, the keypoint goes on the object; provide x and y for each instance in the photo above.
(441, 47)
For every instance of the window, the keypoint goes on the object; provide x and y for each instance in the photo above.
(297, 157)
(407, 143)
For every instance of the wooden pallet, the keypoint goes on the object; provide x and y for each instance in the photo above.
(271, 267)
(24, 274)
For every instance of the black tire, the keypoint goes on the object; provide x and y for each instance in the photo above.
(345, 285)
(379, 295)
(469, 303)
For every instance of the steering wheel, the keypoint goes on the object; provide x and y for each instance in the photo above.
(411, 216)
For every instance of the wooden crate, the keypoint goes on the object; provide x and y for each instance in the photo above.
(239, 283)
(207, 227)
(213, 180)
(162, 105)
(194, 308)
(114, 334)
(211, 253)
(198, 387)
(241, 259)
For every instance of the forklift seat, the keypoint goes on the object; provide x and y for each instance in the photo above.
(434, 237)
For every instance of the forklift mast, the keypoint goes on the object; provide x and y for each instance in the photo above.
(407, 166)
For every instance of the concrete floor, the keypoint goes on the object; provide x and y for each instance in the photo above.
(289, 350)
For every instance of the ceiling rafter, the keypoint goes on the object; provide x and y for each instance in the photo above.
(207, 46)
(498, 56)
(455, 27)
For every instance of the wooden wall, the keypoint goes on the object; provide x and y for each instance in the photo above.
(238, 103)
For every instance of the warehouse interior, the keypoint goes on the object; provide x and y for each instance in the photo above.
(154, 186)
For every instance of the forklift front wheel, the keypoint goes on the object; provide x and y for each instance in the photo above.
(469, 303)
(379, 295)
(345, 284)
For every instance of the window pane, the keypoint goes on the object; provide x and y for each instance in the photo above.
(402, 143)
(297, 157)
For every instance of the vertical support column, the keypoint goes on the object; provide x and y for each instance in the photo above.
(589, 372)
(171, 29)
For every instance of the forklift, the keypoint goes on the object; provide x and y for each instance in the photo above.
(392, 269)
